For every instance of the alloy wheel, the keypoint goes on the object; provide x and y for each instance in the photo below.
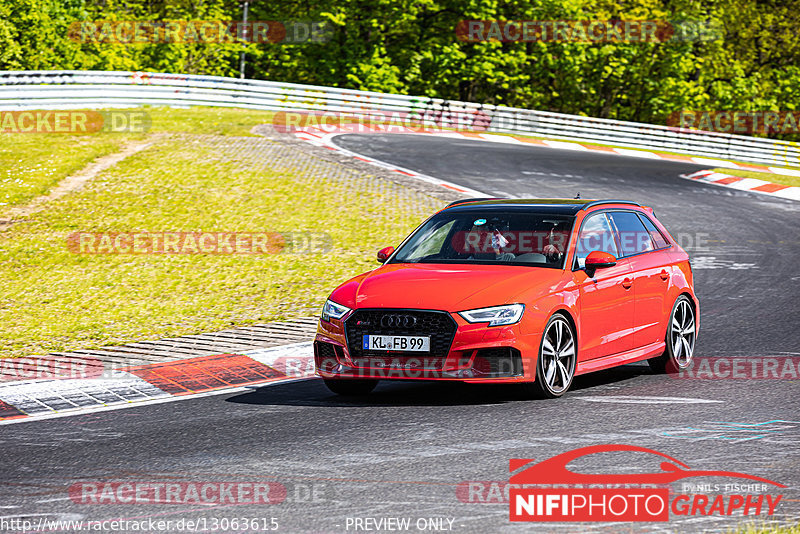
(682, 333)
(557, 355)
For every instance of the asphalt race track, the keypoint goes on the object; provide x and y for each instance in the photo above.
(404, 451)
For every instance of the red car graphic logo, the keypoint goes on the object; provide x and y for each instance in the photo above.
(554, 470)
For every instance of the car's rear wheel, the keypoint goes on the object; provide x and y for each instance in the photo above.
(350, 387)
(680, 339)
(555, 367)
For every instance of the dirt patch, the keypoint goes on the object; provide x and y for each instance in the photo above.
(77, 180)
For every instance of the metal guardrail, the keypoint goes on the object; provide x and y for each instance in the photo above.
(93, 89)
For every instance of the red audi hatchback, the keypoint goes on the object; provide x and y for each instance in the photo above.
(534, 292)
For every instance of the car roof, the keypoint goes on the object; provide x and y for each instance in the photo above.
(566, 206)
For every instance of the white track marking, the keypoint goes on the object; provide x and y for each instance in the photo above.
(636, 153)
(133, 404)
(565, 145)
(633, 399)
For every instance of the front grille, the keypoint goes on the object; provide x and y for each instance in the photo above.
(437, 324)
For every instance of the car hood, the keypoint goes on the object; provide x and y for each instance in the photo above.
(446, 287)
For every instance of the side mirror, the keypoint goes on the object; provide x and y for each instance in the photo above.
(598, 259)
(384, 253)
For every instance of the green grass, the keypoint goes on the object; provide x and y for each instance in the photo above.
(55, 300)
(783, 179)
(32, 163)
(207, 120)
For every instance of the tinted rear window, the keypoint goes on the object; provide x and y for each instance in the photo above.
(633, 236)
(657, 237)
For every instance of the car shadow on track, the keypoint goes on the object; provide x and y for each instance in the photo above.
(418, 393)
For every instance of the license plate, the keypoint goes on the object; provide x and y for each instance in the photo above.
(402, 343)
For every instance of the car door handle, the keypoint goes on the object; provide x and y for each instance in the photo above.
(664, 275)
(627, 283)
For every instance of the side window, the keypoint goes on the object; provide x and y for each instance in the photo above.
(633, 237)
(596, 234)
(655, 234)
(433, 242)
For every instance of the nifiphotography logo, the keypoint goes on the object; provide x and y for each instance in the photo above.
(548, 491)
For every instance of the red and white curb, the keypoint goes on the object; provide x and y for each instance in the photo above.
(155, 383)
(324, 137)
(745, 184)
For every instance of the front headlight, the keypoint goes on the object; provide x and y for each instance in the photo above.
(496, 315)
(331, 310)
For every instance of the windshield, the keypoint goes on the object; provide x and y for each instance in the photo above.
(489, 237)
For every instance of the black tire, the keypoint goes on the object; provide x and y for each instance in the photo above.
(555, 365)
(680, 339)
(350, 387)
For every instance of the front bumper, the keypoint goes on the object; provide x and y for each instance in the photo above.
(478, 353)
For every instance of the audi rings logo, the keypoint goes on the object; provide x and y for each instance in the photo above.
(398, 321)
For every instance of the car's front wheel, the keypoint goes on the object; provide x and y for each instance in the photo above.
(555, 367)
(680, 339)
(350, 387)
